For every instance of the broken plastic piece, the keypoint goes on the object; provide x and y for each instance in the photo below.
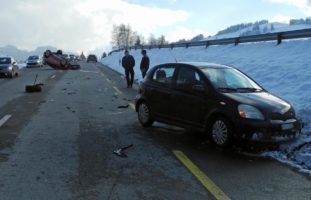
(119, 152)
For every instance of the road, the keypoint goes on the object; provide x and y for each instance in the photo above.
(59, 143)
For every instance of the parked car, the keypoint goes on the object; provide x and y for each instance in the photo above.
(217, 99)
(8, 67)
(91, 58)
(34, 61)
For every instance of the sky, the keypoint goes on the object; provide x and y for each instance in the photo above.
(86, 25)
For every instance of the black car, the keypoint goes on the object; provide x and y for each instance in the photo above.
(217, 99)
(91, 58)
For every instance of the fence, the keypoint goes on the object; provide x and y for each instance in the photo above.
(278, 37)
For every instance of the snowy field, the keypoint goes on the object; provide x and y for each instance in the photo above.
(284, 70)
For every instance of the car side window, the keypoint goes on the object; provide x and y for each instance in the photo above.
(188, 76)
(164, 74)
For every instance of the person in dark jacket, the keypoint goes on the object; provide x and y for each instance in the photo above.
(144, 64)
(128, 63)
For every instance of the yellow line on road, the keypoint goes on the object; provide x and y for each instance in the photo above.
(206, 182)
(4, 119)
(116, 89)
(132, 106)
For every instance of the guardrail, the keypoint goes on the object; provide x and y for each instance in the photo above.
(278, 36)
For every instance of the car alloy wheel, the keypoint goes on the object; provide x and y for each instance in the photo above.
(144, 115)
(221, 132)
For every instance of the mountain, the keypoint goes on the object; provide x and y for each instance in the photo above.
(260, 27)
(22, 55)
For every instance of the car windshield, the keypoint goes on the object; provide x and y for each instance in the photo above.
(5, 60)
(33, 57)
(230, 80)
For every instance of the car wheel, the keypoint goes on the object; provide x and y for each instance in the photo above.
(144, 114)
(12, 74)
(221, 132)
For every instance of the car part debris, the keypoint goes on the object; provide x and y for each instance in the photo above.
(119, 152)
(35, 87)
(58, 61)
(126, 106)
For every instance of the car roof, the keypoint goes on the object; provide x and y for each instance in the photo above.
(203, 65)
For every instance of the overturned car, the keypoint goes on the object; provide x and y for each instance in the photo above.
(57, 61)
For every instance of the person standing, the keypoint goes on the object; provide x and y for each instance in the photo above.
(128, 63)
(144, 63)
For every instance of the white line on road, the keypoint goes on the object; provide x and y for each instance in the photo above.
(53, 76)
(4, 119)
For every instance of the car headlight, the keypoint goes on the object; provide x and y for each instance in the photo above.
(10, 67)
(250, 112)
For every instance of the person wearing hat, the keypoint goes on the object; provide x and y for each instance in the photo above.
(144, 64)
(128, 63)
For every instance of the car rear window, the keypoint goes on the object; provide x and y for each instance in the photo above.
(5, 60)
(33, 57)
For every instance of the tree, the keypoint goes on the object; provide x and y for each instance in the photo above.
(122, 36)
(197, 38)
(162, 40)
(152, 40)
(104, 55)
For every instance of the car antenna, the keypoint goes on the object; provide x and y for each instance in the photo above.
(173, 56)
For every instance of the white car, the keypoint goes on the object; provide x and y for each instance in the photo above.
(34, 61)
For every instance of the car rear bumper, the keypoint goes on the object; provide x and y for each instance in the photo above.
(269, 131)
(5, 71)
(33, 65)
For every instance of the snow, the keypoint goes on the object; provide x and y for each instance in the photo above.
(284, 70)
(263, 28)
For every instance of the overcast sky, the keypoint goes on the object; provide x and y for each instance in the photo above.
(85, 25)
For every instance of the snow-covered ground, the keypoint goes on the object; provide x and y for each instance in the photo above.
(284, 70)
(263, 29)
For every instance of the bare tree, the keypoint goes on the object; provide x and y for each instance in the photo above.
(122, 36)
(152, 40)
(162, 40)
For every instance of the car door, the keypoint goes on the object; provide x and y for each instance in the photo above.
(160, 91)
(189, 104)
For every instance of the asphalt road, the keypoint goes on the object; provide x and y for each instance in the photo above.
(59, 143)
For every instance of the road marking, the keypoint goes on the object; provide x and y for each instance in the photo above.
(86, 71)
(206, 182)
(132, 106)
(109, 81)
(4, 119)
(116, 89)
(53, 76)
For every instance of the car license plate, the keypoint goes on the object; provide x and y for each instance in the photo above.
(287, 126)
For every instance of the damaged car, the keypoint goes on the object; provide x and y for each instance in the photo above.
(216, 99)
(56, 60)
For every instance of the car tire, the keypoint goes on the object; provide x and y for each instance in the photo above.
(221, 132)
(144, 114)
(12, 74)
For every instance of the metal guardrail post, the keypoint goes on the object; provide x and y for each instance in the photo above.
(279, 38)
(207, 44)
(236, 41)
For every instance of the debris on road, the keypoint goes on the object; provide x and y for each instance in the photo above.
(126, 106)
(119, 152)
(35, 87)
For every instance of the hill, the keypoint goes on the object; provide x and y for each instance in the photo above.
(22, 55)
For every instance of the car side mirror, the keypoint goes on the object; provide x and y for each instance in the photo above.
(14, 62)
